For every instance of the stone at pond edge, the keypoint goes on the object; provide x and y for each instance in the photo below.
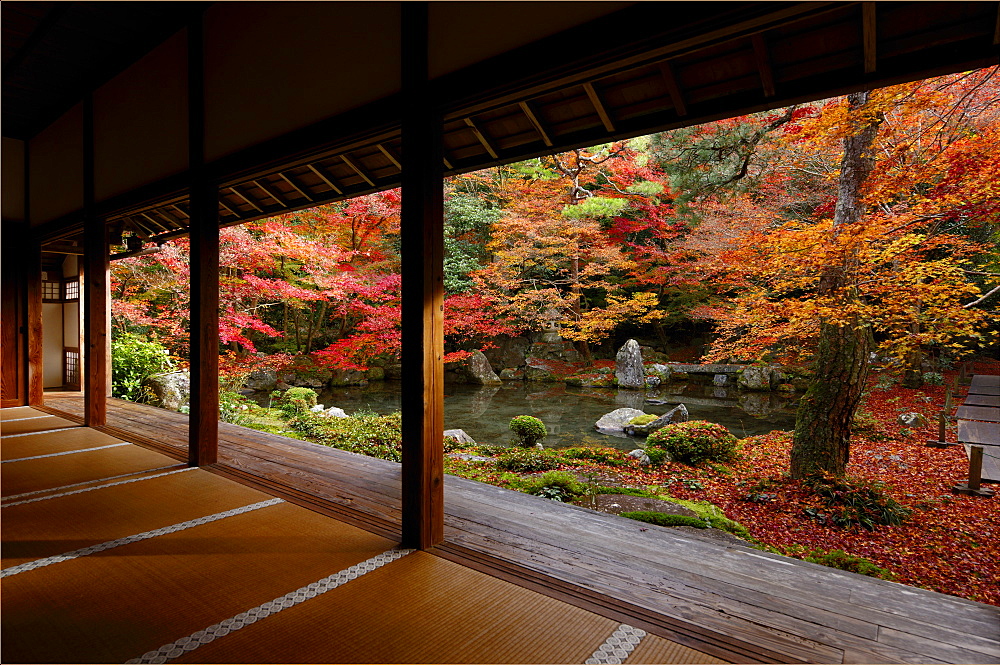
(759, 378)
(479, 371)
(460, 436)
(171, 390)
(678, 414)
(641, 455)
(262, 379)
(507, 352)
(629, 369)
(512, 374)
(614, 422)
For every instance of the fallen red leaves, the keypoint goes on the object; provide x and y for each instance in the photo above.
(950, 544)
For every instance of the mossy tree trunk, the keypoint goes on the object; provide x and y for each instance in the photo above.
(821, 443)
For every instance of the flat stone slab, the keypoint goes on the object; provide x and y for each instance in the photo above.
(973, 431)
(706, 369)
(988, 413)
(982, 400)
(986, 380)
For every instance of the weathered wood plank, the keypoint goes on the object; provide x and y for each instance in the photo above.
(985, 381)
(989, 414)
(982, 400)
(974, 431)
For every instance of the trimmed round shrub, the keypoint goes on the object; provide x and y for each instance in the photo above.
(520, 460)
(528, 430)
(555, 485)
(694, 442)
(297, 400)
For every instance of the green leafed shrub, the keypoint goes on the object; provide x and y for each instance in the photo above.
(847, 502)
(296, 401)
(234, 408)
(608, 456)
(133, 360)
(528, 430)
(521, 460)
(694, 442)
(363, 433)
(664, 519)
(555, 485)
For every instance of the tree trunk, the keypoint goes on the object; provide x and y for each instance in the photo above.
(821, 443)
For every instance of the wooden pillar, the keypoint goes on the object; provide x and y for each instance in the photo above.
(96, 287)
(422, 292)
(33, 318)
(203, 423)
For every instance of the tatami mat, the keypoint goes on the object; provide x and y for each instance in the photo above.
(17, 412)
(52, 526)
(84, 466)
(118, 604)
(59, 441)
(8, 427)
(423, 609)
(193, 567)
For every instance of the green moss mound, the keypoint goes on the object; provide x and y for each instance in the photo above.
(664, 519)
(644, 419)
(555, 485)
(523, 460)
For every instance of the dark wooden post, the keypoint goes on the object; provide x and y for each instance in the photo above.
(974, 486)
(203, 422)
(422, 292)
(33, 318)
(96, 265)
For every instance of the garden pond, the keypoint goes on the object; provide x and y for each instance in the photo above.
(569, 413)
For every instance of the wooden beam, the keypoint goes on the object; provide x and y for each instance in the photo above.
(155, 222)
(203, 420)
(222, 204)
(423, 291)
(763, 64)
(447, 164)
(481, 137)
(357, 169)
(274, 195)
(298, 187)
(388, 155)
(869, 35)
(535, 122)
(325, 176)
(180, 211)
(595, 99)
(97, 354)
(996, 28)
(245, 198)
(670, 80)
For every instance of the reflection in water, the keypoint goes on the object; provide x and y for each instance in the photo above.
(569, 413)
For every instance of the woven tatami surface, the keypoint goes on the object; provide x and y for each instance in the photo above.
(168, 563)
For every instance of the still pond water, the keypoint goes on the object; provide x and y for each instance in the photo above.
(569, 413)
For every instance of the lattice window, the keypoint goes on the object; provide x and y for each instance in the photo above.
(71, 289)
(71, 367)
(51, 291)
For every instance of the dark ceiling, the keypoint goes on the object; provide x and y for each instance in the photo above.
(56, 52)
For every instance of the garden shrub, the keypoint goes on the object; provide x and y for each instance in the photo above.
(133, 360)
(693, 442)
(527, 430)
(555, 485)
(664, 519)
(934, 378)
(847, 502)
(368, 434)
(522, 460)
(296, 401)
(608, 456)
(233, 408)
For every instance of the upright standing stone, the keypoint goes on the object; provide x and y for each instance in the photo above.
(628, 367)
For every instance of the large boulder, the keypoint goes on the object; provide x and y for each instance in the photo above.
(460, 436)
(759, 378)
(479, 372)
(507, 352)
(261, 380)
(347, 377)
(171, 390)
(628, 367)
(678, 414)
(614, 423)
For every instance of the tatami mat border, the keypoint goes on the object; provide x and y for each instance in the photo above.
(65, 452)
(617, 648)
(95, 487)
(145, 535)
(44, 431)
(191, 642)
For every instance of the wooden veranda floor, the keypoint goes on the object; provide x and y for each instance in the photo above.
(731, 602)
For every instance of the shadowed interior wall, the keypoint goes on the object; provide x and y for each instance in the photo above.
(57, 168)
(12, 199)
(140, 121)
(464, 33)
(326, 59)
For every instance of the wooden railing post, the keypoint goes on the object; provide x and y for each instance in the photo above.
(203, 422)
(422, 291)
(33, 320)
(96, 287)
